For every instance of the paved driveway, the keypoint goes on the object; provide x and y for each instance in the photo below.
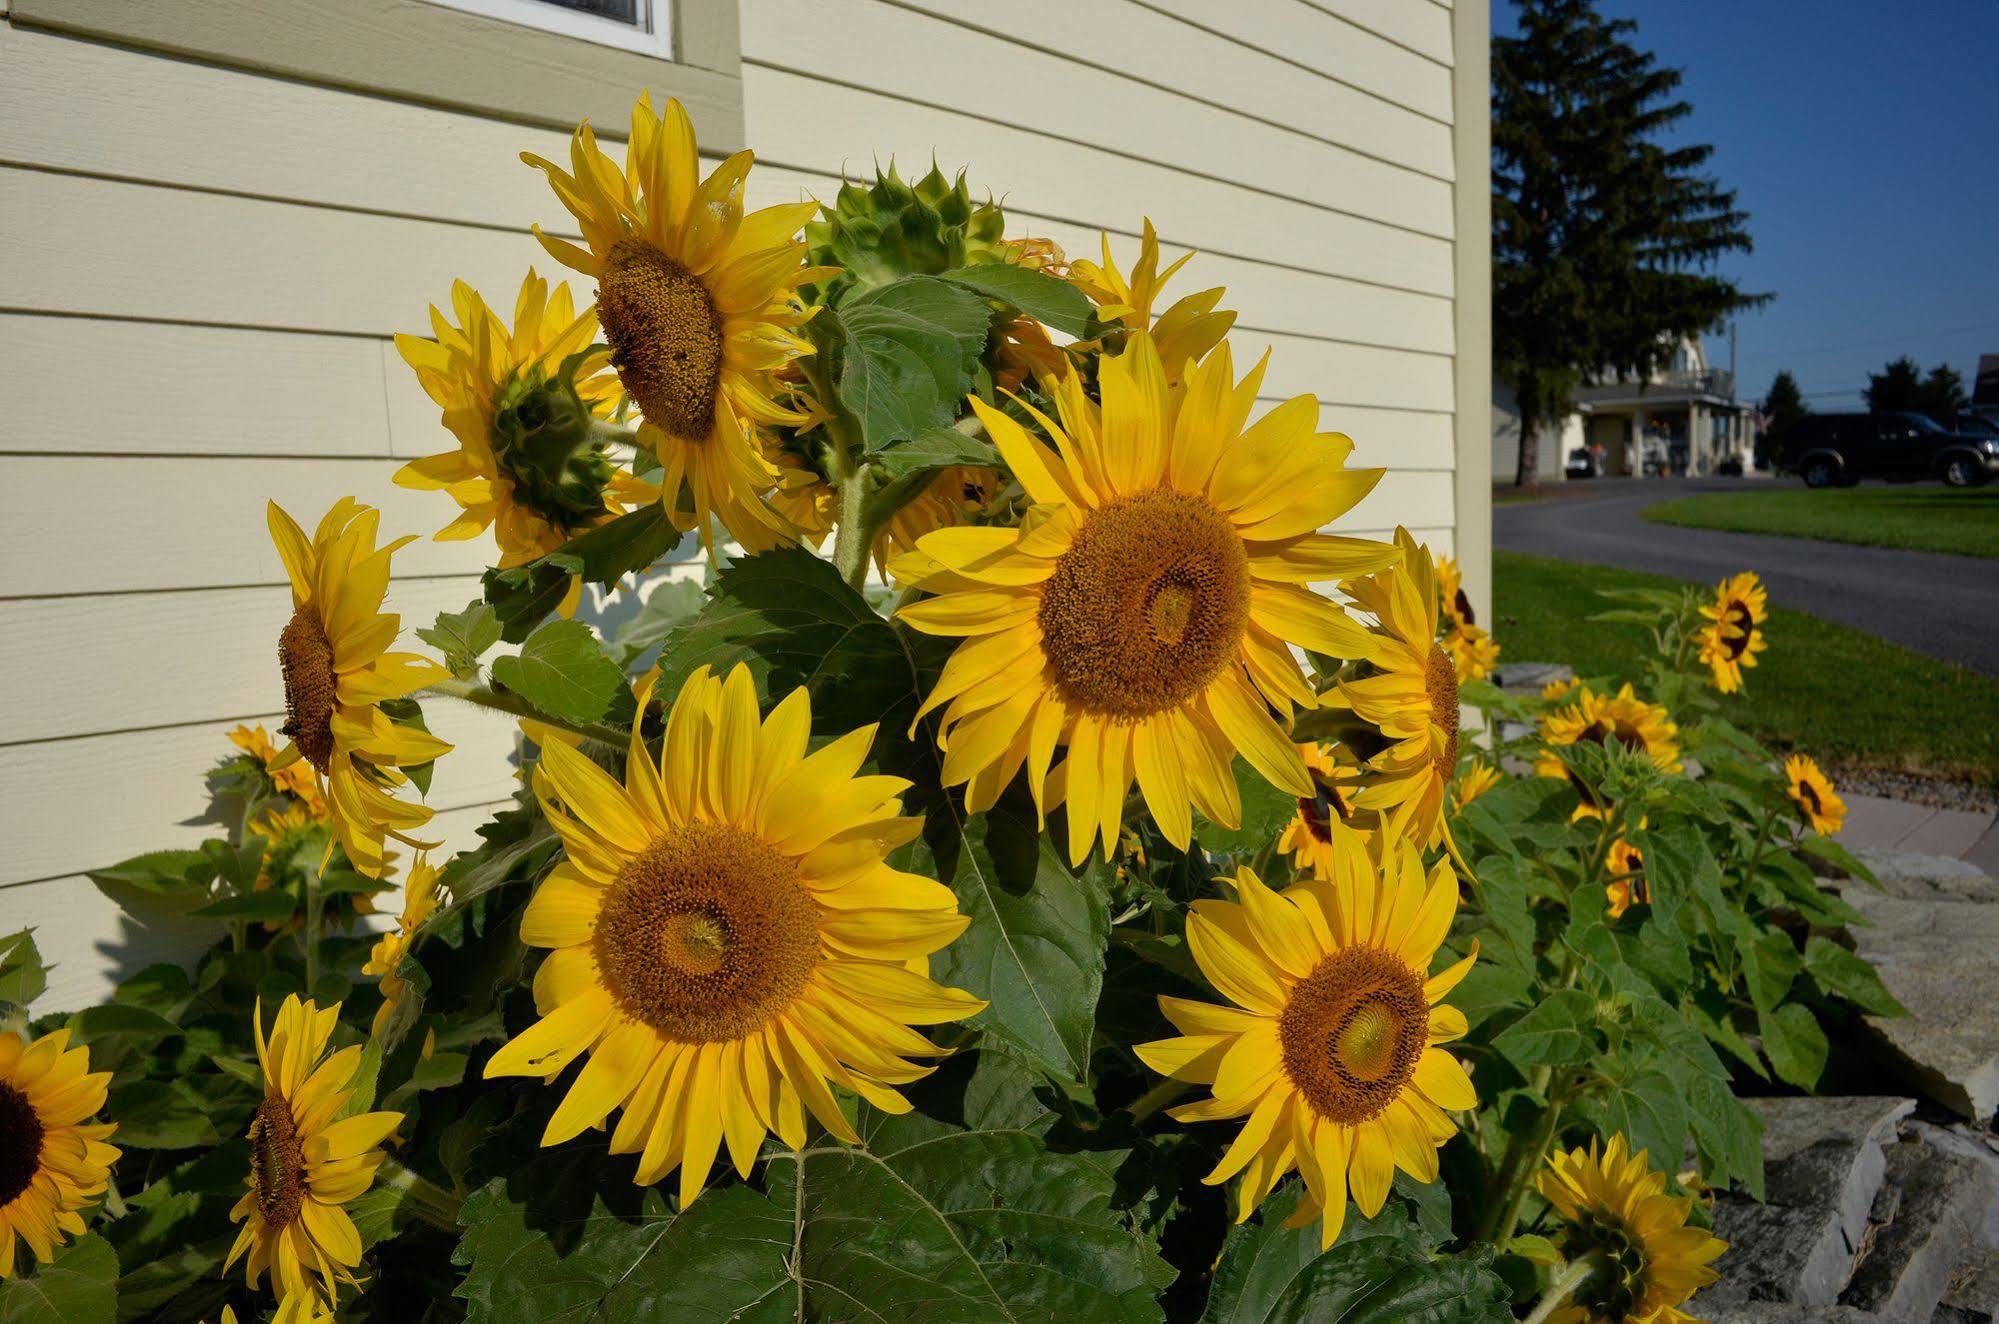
(1946, 606)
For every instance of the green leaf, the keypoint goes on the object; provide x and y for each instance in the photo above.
(1557, 1030)
(163, 1114)
(1729, 1134)
(164, 872)
(667, 606)
(1036, 293)
(908, 351)
(1265, 811)
(963, 1227)
(264, 907)
(1839, 971)
(120, 1020)
(1378, 1271)
(934, 449)
(562, 671)
(789, 615)
(22, 975)
(523, 595)
(1035, 948)
(1839, 856)
(463, 636)
(1796, 1045)
(79, 1285)
(1648, 1109)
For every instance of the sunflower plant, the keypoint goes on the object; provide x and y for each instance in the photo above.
(1037, 873)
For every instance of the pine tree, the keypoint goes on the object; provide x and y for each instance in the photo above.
(1604, 240)
(1783, 406)
(1896, 388)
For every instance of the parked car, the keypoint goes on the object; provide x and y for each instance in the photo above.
(1972, 425)
(1583, 464)
(1838, 450)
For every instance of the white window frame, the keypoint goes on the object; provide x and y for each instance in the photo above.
(654, 37)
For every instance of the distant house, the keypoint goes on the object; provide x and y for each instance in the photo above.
(1985, 388)
(1684, 418)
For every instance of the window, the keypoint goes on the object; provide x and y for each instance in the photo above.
(645, 26)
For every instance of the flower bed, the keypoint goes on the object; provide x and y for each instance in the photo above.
(1140, 912)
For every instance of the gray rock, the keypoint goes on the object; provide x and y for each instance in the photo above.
(1914, 876)
(1978, 1146)
(1529, 677)
(1823, 1166)
(1972, 1296)
(1770, 1312)
(1941, 959)
(1906, 1269)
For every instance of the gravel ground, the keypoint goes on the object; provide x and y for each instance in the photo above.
(1915, 790)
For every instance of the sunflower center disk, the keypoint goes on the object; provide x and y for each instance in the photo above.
(1320, 811)
(1440, 681)
(665, 337)
(706, 934)
(1462, 605)
(1352, 1033)
(311, 687)
(1737, 644)
(1147, 605)
(277, 1162)
(20, 1142)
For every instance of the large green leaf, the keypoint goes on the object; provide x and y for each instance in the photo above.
(951, 1227)
(462, 636)
(163, 872)
(1379, 1270)
(1036, 293)
(78, 1286)
(562, 671)
(22, 976)
(907, 351)
(523, 595)
(1794, 1042)
(934, 449)
(1035, 948)
(1560, 1028)
(1839, 971)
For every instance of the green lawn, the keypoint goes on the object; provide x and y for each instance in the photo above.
(1927, 518)
(1840, 695)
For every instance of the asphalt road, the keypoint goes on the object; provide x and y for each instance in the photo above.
(1945, 606)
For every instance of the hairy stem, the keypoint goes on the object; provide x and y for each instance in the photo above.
(1573, 1275)
(427, 1200)
(1150, 1102)
(514, 705)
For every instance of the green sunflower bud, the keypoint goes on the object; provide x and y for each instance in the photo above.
(894, 229)
(548, 445)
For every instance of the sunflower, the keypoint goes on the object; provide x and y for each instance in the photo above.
(304, 1165)
(53, 1164)
(1408, 689)
(697, 301)
(1730, 641)
(338, 670)
(1330, 1051)
(1811, 790)
(294, 778)
(1614, 1208)
(727, 938)
(1477, 778)
(1327, 821)
(1472, 650)
(950, 499)
(420, 901)
(1598, 719)
(1630, 888)
(1184, 333)
(524, 404)
(297, 1308)
(1557, 690)
(1142, 613)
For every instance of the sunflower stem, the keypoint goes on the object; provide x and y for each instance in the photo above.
(1157, 1097)
(1524, 1157)
(314, 904)
(427, 1200)
(485, 696)
(1573, 1275)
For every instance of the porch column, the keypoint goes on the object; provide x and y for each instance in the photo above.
(1698, 442)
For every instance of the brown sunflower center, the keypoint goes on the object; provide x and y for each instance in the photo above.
(706, 934)
(1602, 732)
(1352, 1033)
(277, 1162)
(1319, 811)
(1462, 606)
(1736, 644)
(1809, 794)
(20, 1142)
(665, 337)
(311, 687)
(1147, 605)
(1619, 1284)
(1440, 681)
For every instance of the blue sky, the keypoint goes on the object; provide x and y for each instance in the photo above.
(1862, 137)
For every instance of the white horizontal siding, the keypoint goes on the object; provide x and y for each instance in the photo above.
(196, 305)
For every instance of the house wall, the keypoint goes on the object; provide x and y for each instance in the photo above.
(209, 245)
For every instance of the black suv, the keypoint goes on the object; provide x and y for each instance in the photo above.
(1838, 450)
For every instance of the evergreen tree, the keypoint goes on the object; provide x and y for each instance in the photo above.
(1943, 394)
(1604, 240)
(1899, 386)
(1783, 406)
